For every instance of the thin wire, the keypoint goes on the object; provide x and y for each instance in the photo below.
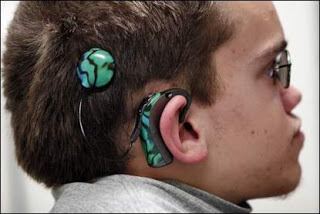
(79, 116)
(83, 133)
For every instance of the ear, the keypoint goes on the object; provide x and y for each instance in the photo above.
(183, 141)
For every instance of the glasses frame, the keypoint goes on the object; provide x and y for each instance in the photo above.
(278, 72)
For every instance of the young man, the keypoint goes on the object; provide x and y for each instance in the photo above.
(205, 85)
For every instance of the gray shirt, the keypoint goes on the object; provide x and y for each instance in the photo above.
(126, 193)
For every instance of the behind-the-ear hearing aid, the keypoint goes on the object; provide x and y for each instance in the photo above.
(147, 125)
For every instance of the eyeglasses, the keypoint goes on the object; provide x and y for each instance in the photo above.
(282, 68)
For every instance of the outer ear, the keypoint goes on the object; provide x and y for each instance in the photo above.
(184, 142)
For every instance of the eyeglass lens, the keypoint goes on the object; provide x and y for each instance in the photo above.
(284, 67)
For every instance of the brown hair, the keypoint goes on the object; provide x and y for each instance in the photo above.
(169, 41)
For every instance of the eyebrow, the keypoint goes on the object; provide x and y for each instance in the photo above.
(273, 50)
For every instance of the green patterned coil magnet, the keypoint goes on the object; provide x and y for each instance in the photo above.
(96, 68)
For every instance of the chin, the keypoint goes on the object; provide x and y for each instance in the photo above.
(289, 182)
(280, 185)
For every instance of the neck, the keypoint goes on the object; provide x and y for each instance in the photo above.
(225, 187)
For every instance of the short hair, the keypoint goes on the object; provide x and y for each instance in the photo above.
(167, 41)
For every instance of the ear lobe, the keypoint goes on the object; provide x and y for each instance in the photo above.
(182, 140)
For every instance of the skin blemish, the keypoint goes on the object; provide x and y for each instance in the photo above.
(252, 132)
(266, 131)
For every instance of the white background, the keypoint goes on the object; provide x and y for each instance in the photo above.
(300, 21)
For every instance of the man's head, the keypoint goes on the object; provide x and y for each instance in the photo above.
(155, 45)
(237, 140)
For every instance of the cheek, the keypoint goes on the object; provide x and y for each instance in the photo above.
(252, 132)
(249, 120)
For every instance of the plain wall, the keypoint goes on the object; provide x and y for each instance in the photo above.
(300, 21)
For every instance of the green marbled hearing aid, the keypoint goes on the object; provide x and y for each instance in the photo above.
(96, 68)
(147, 125)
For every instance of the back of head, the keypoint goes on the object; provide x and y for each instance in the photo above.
(150, 41)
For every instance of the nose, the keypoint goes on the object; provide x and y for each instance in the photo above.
(291, 97)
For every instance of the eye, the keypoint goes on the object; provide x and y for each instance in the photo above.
(270, 71)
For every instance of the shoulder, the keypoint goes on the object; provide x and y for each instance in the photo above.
(118, 193)
(76, 197)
